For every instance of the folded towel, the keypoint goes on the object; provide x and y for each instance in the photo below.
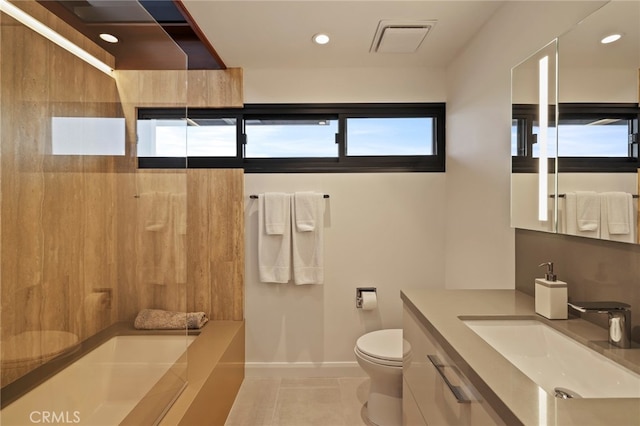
(618, 217)
(570, 218)
(274, 251)
(158, 319)
(276, 212)
(587, 210)
(306, 210)
(308, 246)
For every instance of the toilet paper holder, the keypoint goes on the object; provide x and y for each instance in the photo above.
(359, 292)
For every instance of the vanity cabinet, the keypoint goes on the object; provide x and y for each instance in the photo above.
(435, 392)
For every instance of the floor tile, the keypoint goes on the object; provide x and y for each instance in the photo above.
(255, 403)
(308, 406)
(301, 401)
(353, 393)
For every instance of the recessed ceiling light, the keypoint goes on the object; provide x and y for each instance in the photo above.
(109, 38)
(321, 39)
(611, 38)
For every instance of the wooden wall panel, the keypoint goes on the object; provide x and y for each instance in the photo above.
(216, 243)
(71, 225)
(214, 201)
(219, 89)
(58, 228)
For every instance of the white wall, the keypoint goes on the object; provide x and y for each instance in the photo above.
(382, 230)
(478, 234)
(334, 85)
(390, 230)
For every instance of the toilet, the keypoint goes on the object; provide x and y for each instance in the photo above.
(380, 355)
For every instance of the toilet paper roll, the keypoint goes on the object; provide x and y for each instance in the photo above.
(369, 300)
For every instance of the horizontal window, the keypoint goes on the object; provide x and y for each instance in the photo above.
(390, 136)
(187, 137)
(302, 137)
(590, 137)
(87, 136)
(296, 138)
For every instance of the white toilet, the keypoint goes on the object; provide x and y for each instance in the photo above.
(380, 355)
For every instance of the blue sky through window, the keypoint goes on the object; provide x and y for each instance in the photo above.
(291, 140)
(579, 140)
(390, 136)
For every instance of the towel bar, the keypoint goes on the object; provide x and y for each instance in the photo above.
(254, 197)
(563, 195)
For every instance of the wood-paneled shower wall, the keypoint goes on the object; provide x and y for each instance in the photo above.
(68, 223)
(58, 229)
(215, 204)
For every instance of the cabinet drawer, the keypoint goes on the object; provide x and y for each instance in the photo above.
(411, 415)
(442, 393)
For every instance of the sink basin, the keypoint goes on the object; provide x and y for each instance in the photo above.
(555, 361)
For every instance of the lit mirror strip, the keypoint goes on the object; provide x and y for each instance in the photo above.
(543, 120)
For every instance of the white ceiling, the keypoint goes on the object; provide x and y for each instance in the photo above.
(269, 34)
(581, 47)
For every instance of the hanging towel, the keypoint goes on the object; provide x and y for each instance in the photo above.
(570, 218)
(305, 205)
(154, 208)
(274, 251)
(308, 245)
(179, 209)
(276, 212)
(617, 217)
(588, 210)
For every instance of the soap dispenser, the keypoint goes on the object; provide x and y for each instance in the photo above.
(551, 295)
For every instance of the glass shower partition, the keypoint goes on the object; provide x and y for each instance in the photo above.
(88, 240)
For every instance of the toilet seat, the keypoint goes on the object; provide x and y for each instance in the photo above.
(384, 347)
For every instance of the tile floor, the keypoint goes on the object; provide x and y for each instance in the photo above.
(300, 402)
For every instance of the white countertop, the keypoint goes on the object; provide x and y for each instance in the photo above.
(440, 311)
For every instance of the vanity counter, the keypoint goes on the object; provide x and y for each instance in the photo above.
(513, 396)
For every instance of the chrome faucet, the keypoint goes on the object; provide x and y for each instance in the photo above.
(619, 319)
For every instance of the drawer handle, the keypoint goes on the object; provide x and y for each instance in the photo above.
(455, 390)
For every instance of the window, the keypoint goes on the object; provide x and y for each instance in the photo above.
(304, 137)
(390, 136)
(296, 138)
(87, 136)
(590, 137)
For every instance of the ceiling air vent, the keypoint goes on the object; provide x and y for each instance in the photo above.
(400, 36)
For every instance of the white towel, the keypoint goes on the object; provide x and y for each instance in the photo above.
(179, 208)
(305, 205)
(587, 210)
(154, 207)
(274, 251)
(308, 245)
(617, 217)
(570, 218)
(276, 212)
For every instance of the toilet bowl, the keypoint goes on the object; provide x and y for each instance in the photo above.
(380, 355)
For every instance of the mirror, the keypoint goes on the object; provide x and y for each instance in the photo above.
(597, 132)
(533, 179)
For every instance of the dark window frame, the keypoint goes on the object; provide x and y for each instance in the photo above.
(340, 164)
(526, 114)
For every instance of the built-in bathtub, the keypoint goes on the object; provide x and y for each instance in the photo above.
(103, 386)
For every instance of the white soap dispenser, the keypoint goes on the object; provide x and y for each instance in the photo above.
(551, 295)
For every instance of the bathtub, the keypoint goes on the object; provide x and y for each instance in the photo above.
(103, 386)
